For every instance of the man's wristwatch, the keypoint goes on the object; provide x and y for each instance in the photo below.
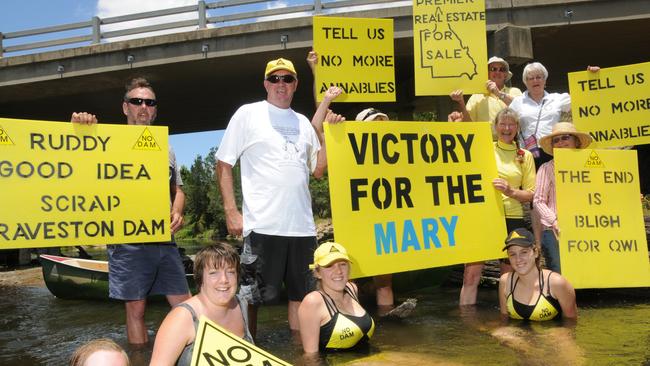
(502, 96)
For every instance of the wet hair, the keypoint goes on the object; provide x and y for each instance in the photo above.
(84, 352)
(534, 67)
(215, 256)
(135, 83)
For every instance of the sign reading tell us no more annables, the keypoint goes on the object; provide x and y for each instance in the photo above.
(613, 104)
(64, 183)
(602, 234)
(413, 195)
(355, 54)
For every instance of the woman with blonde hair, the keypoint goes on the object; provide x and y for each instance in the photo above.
(100, 352)
(331, 318)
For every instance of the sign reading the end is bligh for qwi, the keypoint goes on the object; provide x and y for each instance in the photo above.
(70, 184)
(355, 54)
(602, 235)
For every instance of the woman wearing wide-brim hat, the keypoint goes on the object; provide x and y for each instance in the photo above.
(563, 135)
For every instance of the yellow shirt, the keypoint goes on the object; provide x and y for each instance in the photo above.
(519, 172)
(484, 107)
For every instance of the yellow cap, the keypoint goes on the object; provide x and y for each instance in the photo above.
(279, 64)
(327, 253)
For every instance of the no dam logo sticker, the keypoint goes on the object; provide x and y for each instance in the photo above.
(146, 141)
(594, 161)
(4, 137)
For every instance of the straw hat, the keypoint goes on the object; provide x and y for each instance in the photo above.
(564, 128)
(495, 59)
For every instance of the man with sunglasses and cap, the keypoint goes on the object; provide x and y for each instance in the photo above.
(484, 107)
(138, 270)
(278, 150)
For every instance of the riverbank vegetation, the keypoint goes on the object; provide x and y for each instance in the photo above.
(205, 219)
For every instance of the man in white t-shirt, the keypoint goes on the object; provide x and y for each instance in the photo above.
(278, 150)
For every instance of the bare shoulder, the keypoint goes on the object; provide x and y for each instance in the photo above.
(313, 300)
(557, 282)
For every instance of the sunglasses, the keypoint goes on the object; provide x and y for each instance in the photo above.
(495, 69)
(139, 101)
(557, 139)
(287, 79)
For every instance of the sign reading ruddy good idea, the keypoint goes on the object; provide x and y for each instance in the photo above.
(613, 104)
(602, 233)
(355, 54)
(66, 184)
(450, 46)
(409, 195)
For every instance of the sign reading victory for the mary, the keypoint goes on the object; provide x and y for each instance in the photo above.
(215, 346)
(70, 184)
(355, 54)
(613, 104)
(450, 46)
(602, 233)
(409, 195)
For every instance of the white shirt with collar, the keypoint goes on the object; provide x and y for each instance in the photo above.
(548, 112)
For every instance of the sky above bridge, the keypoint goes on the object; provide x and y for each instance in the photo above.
(30, 14)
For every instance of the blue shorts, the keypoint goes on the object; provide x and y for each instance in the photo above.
(138, 270)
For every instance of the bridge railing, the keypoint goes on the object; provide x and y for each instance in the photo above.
(200, 17)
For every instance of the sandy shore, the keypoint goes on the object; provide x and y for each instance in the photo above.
(32, 277)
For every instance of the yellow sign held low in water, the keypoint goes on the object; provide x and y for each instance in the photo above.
(613, 104)
(71, 184)
(450, 44)
(602, 233)
(216, 346)
(413, 195)
(355, 54)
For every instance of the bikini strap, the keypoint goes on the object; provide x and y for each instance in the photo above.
(329, 303)
(189, 308)
(350, 291)
(548, 283)
(512, 286)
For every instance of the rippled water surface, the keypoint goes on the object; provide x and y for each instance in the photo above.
(613, 328)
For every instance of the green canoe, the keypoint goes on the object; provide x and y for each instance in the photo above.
(74, 278)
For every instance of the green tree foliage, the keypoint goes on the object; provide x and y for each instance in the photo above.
(204, 206)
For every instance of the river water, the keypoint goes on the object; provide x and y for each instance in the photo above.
(613, 329)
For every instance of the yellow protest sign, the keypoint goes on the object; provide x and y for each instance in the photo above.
(449, 39)
(70, 184)
(216, 346)
(613, 104)
(412, 195)
(355, 54)
(602, 233)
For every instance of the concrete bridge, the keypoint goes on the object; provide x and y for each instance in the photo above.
(202, 76)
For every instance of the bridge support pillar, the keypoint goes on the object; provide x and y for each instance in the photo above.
(513, 43)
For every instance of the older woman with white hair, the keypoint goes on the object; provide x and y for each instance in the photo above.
(539, 110)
